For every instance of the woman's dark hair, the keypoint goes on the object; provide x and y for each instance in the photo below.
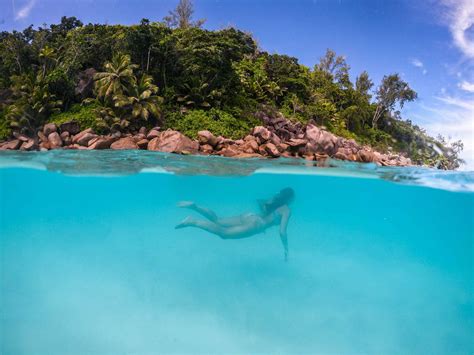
(284, 197)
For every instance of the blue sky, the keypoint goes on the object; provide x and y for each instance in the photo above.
(430, 43)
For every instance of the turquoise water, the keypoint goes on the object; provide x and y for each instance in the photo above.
(381, 260)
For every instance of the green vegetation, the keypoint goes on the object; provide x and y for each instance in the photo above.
(5, 130)
(124, 102)
(84, 114)
(175, 74)
(219, 122)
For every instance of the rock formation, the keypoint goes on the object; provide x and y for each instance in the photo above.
(277, 137)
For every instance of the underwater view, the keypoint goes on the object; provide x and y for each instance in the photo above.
(380, 260)
(236, 177)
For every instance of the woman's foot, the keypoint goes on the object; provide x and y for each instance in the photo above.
(187, 222)
(186, 204)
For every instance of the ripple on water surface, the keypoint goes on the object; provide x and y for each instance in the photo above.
(80, 162)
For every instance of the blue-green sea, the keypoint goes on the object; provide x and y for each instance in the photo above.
(381, 260)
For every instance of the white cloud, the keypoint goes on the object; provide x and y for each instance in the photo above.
(25, 10)
(466, 86)
(461, 21)
(453, 117)
(419, 64)
(459, 103)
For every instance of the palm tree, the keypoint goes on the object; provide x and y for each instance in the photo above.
(34, 103)
(117, 78)
(143, 100)
(199, 94)
(47, 56)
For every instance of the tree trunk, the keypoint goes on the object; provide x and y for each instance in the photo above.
(148, 59)
(18, 62)
(377, 114)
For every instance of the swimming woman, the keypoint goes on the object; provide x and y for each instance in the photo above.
(274, 211)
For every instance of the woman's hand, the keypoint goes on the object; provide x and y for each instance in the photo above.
(284, 242)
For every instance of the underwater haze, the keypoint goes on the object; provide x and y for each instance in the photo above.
(380, 259)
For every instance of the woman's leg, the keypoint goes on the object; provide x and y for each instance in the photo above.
(234, 232)
(208, 226)
(205, 212)
(210, 214)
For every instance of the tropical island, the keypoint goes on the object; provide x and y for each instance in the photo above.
(174, 86)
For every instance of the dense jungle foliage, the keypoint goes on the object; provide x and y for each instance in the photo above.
(176, 74)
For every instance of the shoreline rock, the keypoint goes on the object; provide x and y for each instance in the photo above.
(277, 137)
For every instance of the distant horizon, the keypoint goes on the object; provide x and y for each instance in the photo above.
(437, 60)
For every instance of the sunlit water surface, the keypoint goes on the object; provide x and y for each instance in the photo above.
(381, 259)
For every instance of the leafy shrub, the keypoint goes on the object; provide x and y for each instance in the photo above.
(219, 122)
(321, 110)
(5, 130)
(377, 139)
(294, 109)
(338, 127)
(60, 85)
(85, 115)
(356, 117)
(33, 103)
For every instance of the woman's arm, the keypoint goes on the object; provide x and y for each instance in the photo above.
(285, 216)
